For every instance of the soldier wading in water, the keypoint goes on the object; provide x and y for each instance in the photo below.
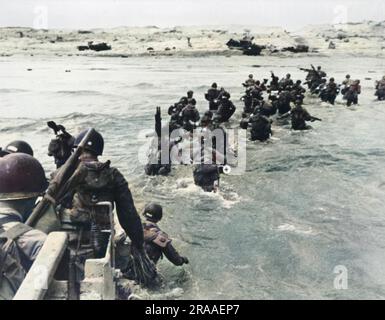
(157, 242)
(95, 182)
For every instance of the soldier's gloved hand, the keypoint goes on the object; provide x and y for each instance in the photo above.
(185, 260)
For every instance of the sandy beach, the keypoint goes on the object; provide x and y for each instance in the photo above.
(356, 39)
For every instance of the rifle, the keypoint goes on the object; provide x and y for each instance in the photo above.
(158, 122)
(57, 128)
(57, 188)
(315, 119)
(61, 147)
(284, 116)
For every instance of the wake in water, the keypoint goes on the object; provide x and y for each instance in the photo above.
(270, 233)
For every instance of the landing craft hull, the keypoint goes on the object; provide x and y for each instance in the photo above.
(99, 282)
(49, 222)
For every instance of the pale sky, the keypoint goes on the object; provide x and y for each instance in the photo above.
(167, 13)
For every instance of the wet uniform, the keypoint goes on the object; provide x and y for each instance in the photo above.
(249, 82)
(260, 127)
(380, 89)
(190, 116)
(157, 243)
(206, 176)
(225, 111)
(329, 93)
(283, 103)
(212, 95)
(97, 182)
(299, 116)
(352, 93)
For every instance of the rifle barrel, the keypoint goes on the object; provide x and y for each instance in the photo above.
(62, 176)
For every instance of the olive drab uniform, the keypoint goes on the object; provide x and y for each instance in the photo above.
(225, 111)
(285, 83)
(212, 96)
(260, 127)
(283, 103)
(12, 273)
(190, 116)
(95, 182)
(352, 93)
(380, 89)
(380, 84)
(299, 116)
(19, 247)
(266, 109)
(249, 82)
(345, 85)
(206, 176)
(157, 243)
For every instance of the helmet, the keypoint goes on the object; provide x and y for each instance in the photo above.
(298, 82)
(21, 177)
(288, 75)
(95, 143)
(17, 147)
(251, 76)
(190, 93)
(153, 211)
(226, 95)
(331, 79)
(348, 76)
(319, 68)
(214, 85)
(183, 100)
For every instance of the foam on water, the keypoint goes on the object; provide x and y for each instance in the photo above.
(307, 202)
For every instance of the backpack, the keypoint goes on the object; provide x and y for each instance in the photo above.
(12, 273)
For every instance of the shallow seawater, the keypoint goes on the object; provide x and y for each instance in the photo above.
(308, 201)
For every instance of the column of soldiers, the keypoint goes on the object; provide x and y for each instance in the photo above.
(328, 91)
(262, 100)
(281, 94)
(23, 180)
(184, 115)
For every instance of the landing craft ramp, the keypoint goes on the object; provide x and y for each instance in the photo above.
(53, 275)
(40, 283)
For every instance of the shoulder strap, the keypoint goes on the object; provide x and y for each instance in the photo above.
(3, 253)
(16, 231)
(12, 273)
(150, 233)
(162, 239)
